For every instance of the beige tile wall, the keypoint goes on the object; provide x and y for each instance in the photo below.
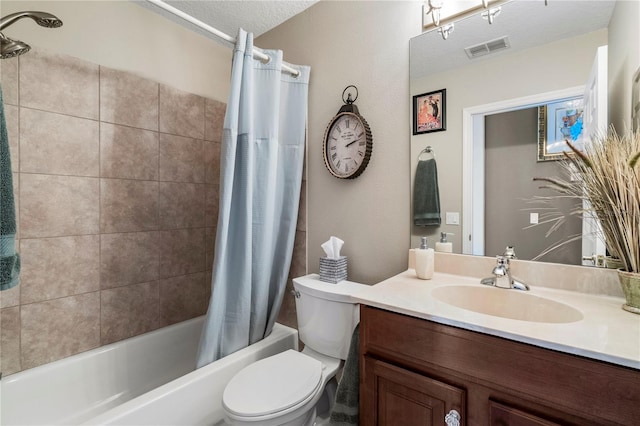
(116, 183)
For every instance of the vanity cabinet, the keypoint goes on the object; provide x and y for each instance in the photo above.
(415, 372)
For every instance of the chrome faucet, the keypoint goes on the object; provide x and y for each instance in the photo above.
(502, 273)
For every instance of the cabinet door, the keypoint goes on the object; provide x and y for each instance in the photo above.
(395, 396)
(503, 415)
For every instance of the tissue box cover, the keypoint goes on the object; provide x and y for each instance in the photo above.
(333, 270)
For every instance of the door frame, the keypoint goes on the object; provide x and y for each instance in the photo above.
(473, 143)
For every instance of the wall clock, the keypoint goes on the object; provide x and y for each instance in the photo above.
(347, 141)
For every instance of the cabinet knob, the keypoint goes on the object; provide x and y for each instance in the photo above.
(452, 418)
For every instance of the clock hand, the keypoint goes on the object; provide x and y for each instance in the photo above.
(351, 143)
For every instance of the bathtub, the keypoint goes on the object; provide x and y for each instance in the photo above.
(144, 380)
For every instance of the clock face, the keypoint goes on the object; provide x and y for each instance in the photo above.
(347, 145)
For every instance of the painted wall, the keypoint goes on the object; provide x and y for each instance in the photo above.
(515, 75)
(366, 44)
(624, 60)
(128, 37)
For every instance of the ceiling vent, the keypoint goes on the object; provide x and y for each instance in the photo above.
(487, 47)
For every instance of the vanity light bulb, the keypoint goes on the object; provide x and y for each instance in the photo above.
(490, 14)
(434, 8)
(435, 15)
(446, 30)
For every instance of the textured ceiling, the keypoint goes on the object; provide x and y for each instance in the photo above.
(227, 16)
(527, 23)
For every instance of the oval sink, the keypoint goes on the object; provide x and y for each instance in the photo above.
(505, 303)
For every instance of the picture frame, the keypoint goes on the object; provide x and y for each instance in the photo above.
(430, 112)
(557, 122)
(635, 101)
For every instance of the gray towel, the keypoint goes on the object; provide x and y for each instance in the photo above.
(426, 196)
(9, 259)
(346, 408)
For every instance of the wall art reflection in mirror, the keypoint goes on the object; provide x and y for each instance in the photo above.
(430, 112)
(559, 122)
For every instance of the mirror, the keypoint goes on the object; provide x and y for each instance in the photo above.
(529, 52)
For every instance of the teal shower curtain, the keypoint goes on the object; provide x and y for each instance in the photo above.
(260, 177)
(9, 258)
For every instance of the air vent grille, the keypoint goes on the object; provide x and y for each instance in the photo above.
(487, 47)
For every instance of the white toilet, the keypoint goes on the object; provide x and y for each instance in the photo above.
(290, 388)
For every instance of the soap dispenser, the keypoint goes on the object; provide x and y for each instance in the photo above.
(424, 261)
(443, 245)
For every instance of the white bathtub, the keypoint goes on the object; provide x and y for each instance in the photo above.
(145, 380)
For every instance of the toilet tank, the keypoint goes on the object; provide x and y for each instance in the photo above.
(326, 314)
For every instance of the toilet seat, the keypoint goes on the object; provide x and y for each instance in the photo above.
(273, 386)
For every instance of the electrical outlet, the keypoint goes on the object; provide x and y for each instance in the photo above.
(452, 218)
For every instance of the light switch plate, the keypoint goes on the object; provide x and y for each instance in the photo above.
(533, 218)
(452, 218)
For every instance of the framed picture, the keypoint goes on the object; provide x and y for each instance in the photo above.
(430, 112)
(559, 122)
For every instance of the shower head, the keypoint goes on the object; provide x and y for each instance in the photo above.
(10, 48)
(43, 19)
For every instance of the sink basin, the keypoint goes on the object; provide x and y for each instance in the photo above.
(512, 304)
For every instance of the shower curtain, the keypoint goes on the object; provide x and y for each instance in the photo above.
(260, 176)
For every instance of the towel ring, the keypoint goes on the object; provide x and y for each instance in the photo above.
(427, 150)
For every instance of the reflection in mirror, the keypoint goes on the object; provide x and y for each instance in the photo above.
(548, 50)
(557, 122)
(510, 216)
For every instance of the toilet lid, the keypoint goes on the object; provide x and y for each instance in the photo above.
(272, 384)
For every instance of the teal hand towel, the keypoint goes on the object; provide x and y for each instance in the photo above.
(346, 410)
(9, 259)
(426, 196)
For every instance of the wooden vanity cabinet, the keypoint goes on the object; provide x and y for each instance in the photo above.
(406, 398)
(415, 372)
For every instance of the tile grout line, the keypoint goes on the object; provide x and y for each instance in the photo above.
(100, 206)
(114, 123)
(158, 194)
(158, 161)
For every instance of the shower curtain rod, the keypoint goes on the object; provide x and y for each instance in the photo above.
(257, 53)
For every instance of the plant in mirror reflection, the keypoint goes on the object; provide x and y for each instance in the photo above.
(606, 177)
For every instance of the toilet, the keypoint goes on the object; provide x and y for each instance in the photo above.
(292, 388)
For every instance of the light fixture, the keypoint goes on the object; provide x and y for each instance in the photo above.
(437, 14)
(446, 30)
(434, 8)
(490, 14)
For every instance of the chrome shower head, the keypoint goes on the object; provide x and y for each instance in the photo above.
(10, 48)
(47, 20)
(43, 19)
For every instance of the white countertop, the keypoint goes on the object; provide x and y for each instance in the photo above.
(606, 333)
